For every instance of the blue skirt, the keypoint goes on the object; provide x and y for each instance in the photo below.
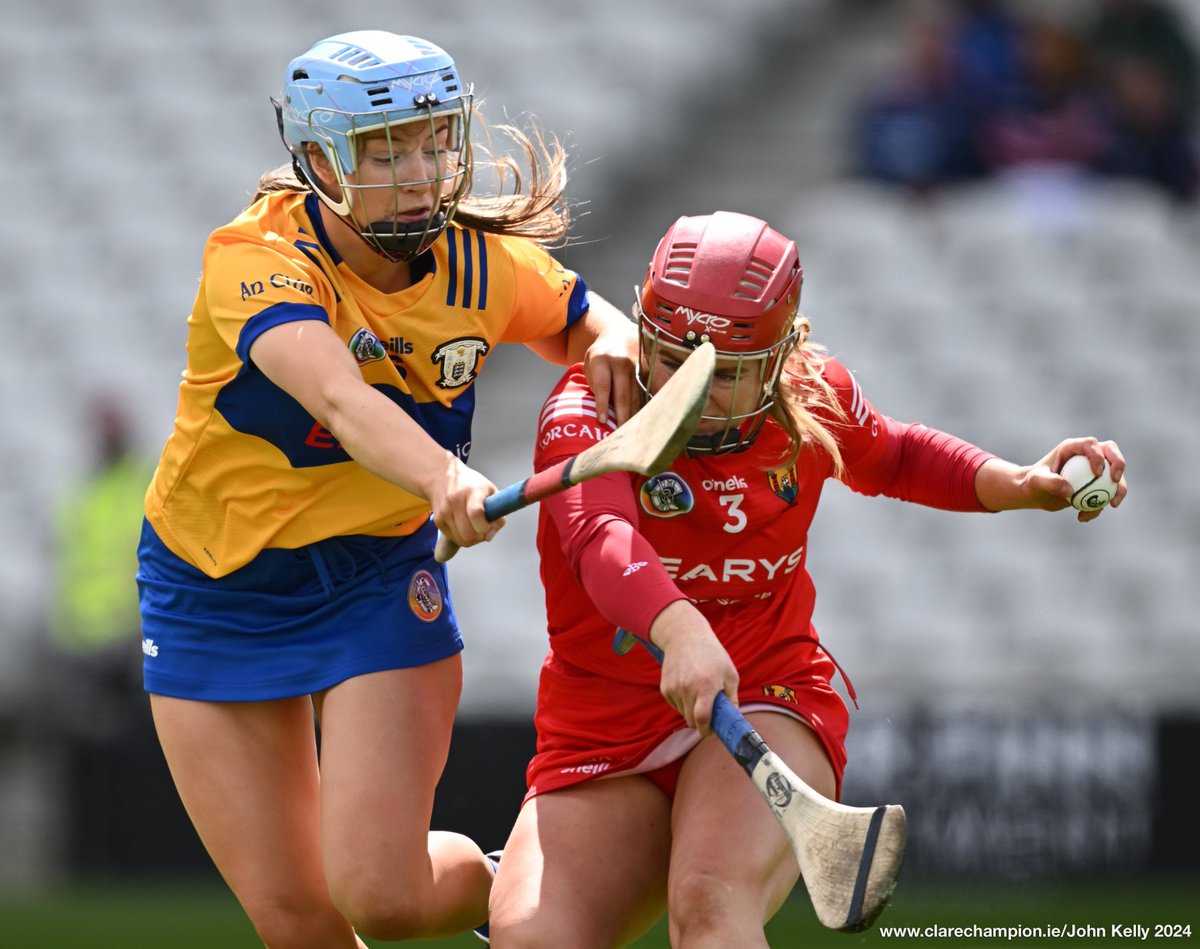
(292, 622)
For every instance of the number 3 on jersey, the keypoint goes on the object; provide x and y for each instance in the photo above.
(737, 517)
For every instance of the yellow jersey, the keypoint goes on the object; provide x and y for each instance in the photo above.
(246, 467)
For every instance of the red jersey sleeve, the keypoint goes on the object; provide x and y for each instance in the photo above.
(903, 460)
(596, 522)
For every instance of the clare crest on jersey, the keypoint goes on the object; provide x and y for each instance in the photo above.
(784, 483)
(666, 495)
(459, 361)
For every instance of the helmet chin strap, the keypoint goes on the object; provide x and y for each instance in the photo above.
(404, 241)
(728, 441)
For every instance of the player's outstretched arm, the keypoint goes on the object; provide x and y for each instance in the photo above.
(1004, 486)
(308, 361)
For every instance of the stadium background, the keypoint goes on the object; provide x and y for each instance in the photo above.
(1028, 686)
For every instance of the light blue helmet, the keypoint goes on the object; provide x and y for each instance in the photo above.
(355, 84)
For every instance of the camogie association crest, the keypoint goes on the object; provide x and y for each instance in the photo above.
(424, 596)
(366, 347)
(666, 495)
(783, 483)
(458, 360)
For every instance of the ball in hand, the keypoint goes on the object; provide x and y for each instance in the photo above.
(1090, 491)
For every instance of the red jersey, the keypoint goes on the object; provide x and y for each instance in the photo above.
(727, 531)
(730, 531)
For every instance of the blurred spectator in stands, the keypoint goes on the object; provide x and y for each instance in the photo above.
(983, 90)
(1053, 116)
(960, 65)
(94, 615)
(1148, 31)
(985, 51)
(915, 128)
(1152, 137)
(1148, 74)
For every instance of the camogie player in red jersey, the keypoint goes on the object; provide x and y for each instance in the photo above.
(628, 805)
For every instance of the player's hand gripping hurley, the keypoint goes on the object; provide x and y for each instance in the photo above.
(646, 444)
(849, 857)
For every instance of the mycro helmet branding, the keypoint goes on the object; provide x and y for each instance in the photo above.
(356, 86)
(731, 280)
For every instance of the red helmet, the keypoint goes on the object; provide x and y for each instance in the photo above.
(734, 281)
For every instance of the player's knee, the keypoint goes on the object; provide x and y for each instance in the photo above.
(699, 900)
(378, 911)
(538, 932)
(388, 920)
(290, 921)
(521, 920)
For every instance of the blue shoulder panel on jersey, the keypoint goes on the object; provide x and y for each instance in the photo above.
(310, 250)
(312, 206)
(578, 304)
(274, 316)
(254, 405)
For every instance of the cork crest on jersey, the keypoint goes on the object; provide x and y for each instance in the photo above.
(784, 482)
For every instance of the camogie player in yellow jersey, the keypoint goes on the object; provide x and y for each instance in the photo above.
(321, 439)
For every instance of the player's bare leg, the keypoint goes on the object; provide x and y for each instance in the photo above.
(583, 867)
(247, 775)
(390, 876)
(731, 866)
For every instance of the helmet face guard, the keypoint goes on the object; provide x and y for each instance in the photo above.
(356, 87)
(731, 280)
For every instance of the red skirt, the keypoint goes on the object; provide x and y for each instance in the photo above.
(592, 727)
